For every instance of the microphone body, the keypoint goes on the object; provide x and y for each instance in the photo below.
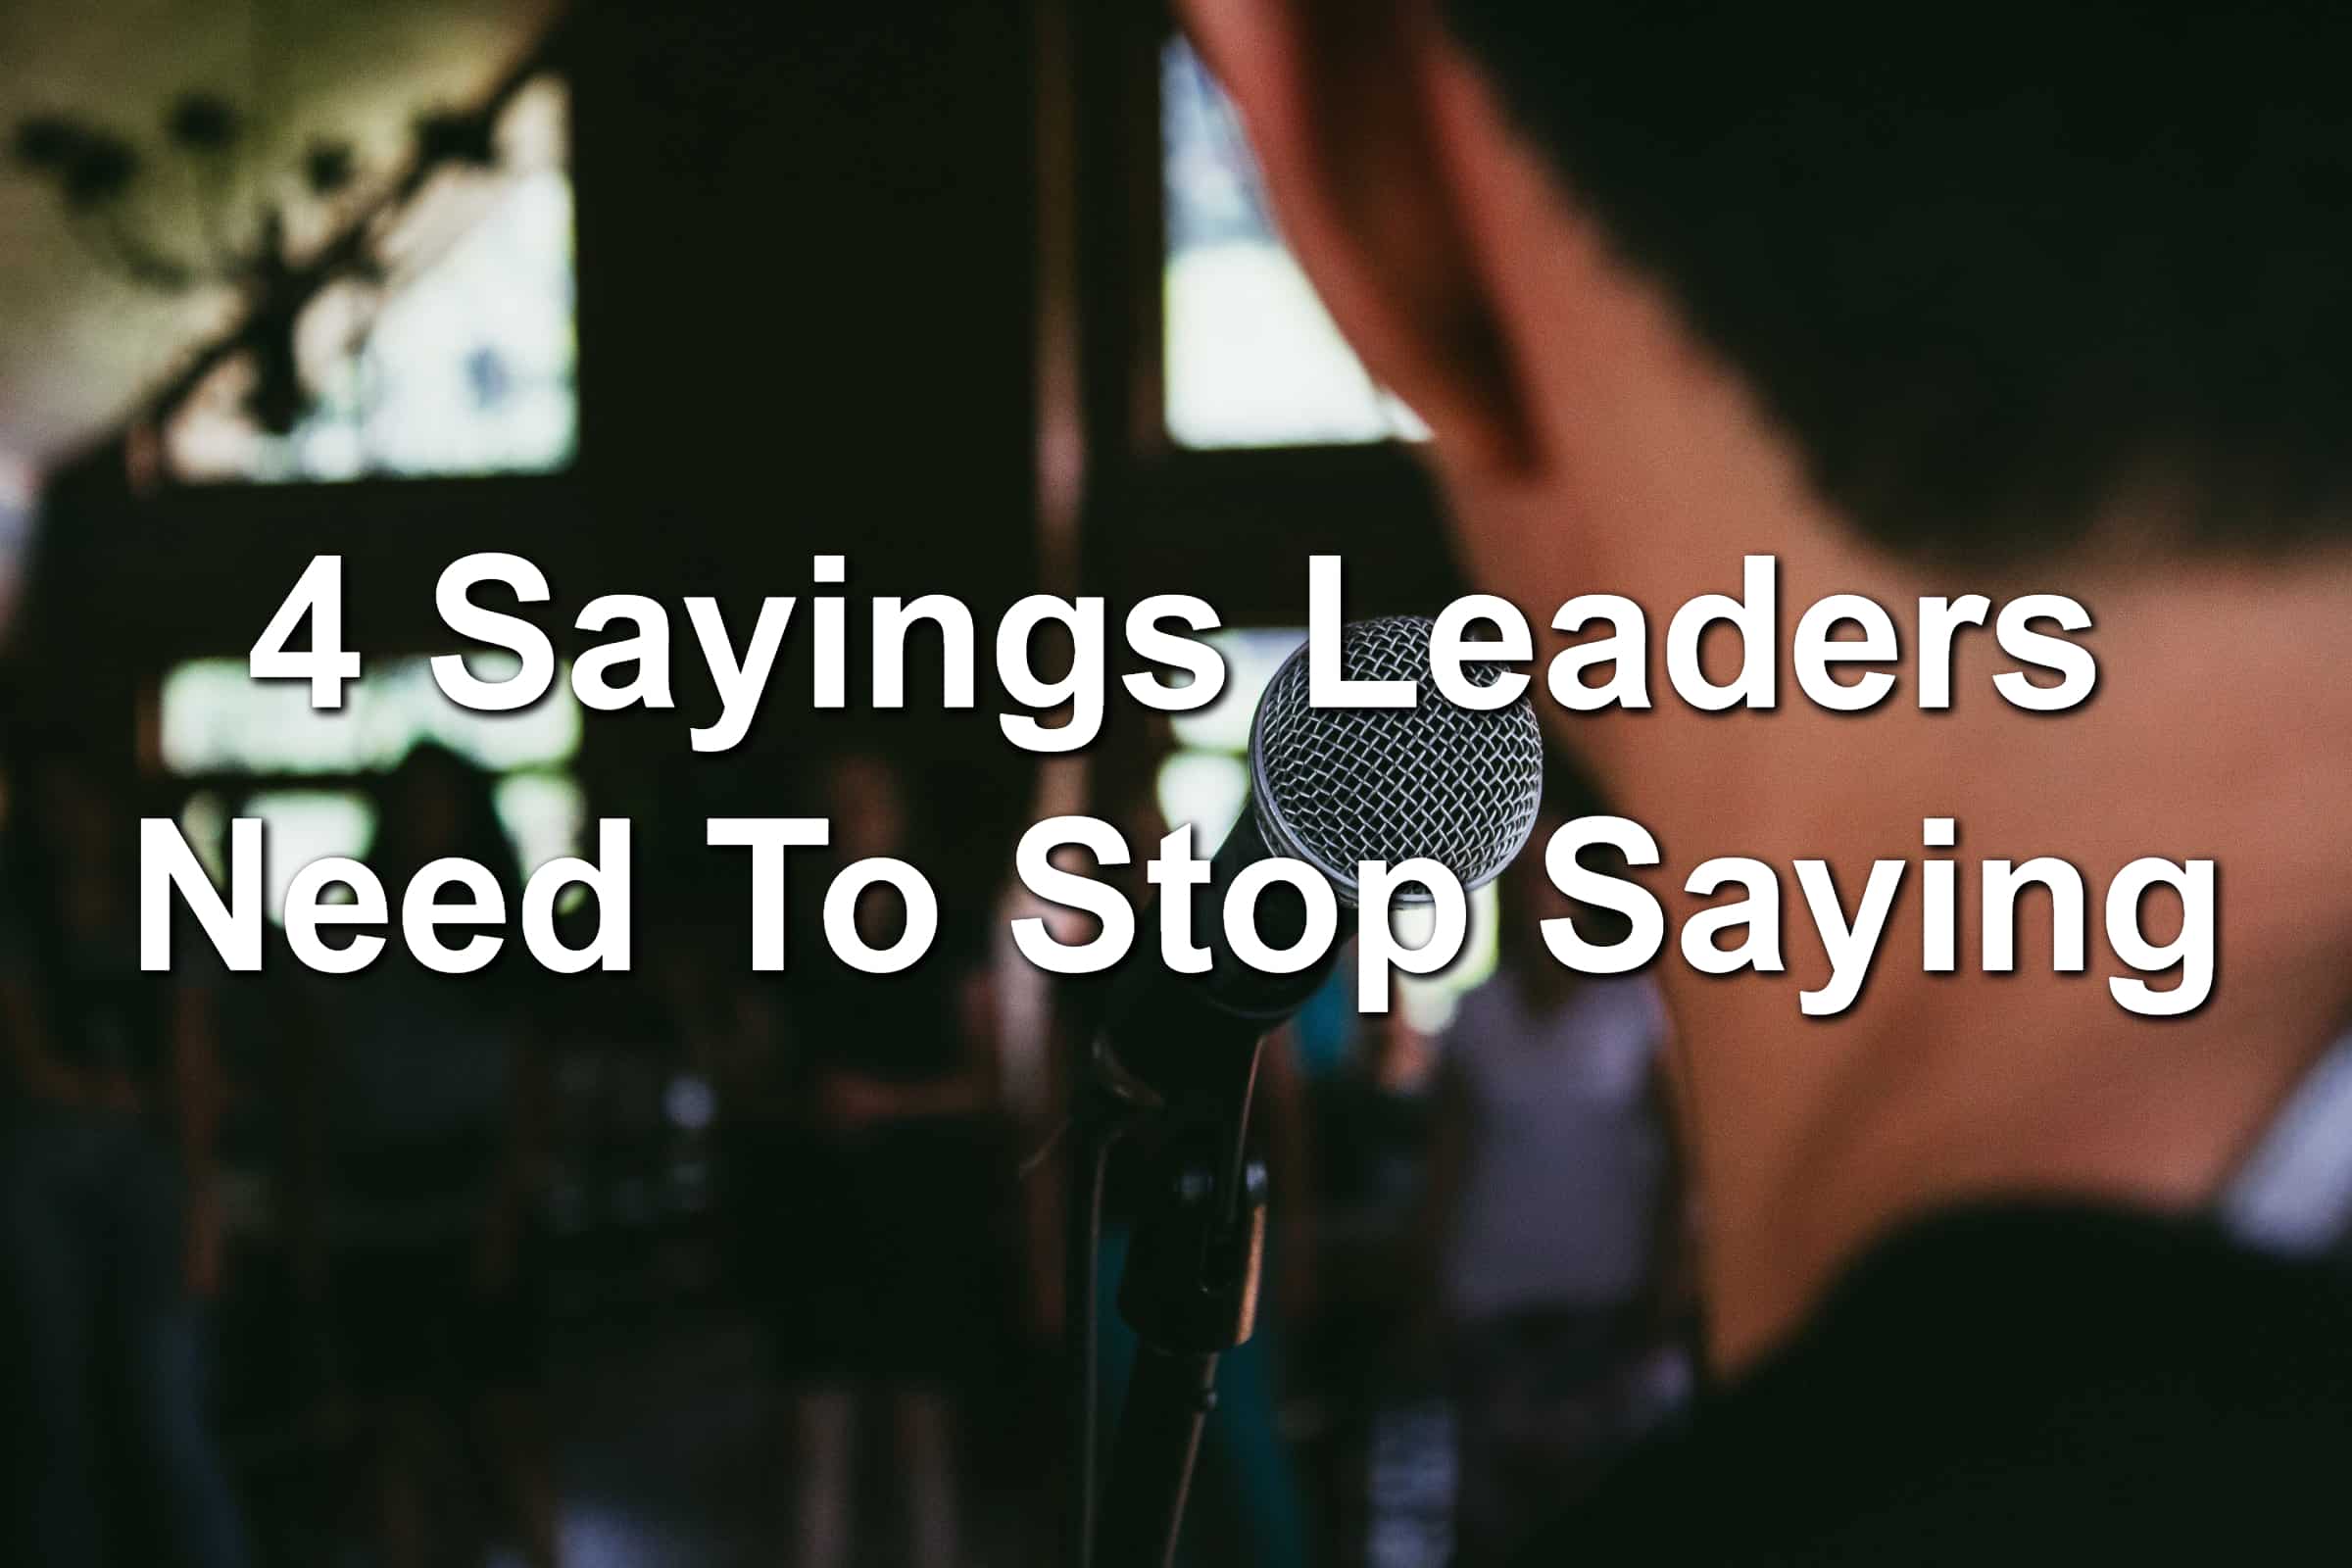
(1332, 787)
(1180, 1034)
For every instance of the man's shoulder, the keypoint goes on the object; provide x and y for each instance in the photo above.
(2021, 1381)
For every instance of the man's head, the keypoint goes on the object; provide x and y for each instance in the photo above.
(1991, 299)
(1996, 273)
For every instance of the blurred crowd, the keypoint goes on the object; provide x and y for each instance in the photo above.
(700, 1265)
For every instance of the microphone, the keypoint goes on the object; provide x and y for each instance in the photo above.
(1332, 787)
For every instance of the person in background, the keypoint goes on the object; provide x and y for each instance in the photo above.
(1553, 1219)
(419, 1109)
(1372, 1111)
(110, 1230)
(1389, 1444)
(885, 1215)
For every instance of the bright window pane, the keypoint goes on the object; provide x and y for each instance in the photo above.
(1251, 657)
(216, 719)
(1430, 1000)
(543, 814)
(204, 824)
(1251, 359)
(299, 827)
(1206, 789)
(459, 360)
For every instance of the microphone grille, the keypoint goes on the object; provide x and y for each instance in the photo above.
(1333, 786)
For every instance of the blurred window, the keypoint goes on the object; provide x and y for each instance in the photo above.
(299, 827)
(545, 814)
(459, 360)
(254, 741)
(216, 719)
(1251, 358)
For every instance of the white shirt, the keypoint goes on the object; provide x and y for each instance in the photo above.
(1564, 1151)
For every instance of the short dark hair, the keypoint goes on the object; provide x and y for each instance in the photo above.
(1993, 266)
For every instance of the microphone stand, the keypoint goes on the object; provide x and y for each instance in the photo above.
(1190, 1291)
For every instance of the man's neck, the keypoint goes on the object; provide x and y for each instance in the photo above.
(2221, 730)
(2217, 731)
(2216, 734)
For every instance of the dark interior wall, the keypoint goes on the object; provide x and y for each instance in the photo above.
(804, 238)
(806, 283)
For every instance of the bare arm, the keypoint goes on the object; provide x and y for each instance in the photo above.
(973, 1088)
(1046, 1187)
(1290, 1172)
(302, 1183)
(1441, 1191)
(199, 1094)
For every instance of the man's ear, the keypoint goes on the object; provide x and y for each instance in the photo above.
(1339, 98)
